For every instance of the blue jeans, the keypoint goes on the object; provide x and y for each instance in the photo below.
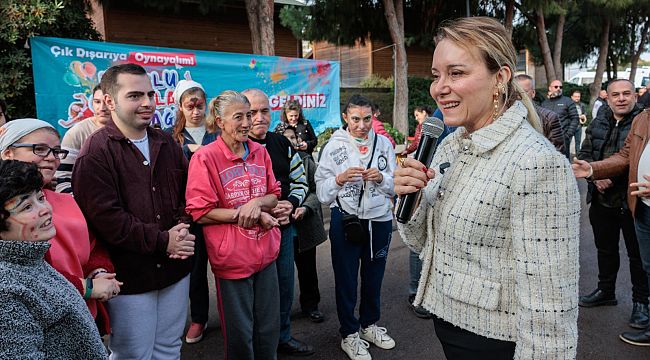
(346, 258)
(286, 281)
(642, 225)
(415, 268)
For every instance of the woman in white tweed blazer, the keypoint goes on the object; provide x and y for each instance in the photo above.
(498, 232)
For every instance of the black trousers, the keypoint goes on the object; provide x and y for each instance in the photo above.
(199, 291)
(307, 278)
(460, 344)
(607, 224)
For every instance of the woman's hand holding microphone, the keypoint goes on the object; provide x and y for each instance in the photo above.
(411, 176)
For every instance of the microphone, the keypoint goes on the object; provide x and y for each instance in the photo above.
(432, 128)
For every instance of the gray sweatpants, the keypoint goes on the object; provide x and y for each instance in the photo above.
(150, 325)
(250, 315)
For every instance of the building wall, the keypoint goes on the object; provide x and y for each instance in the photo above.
(229, 33)
(419, 60)
(355, 60)
(360, 61)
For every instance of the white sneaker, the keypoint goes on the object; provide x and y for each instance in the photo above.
(355, 348)
(378, 336)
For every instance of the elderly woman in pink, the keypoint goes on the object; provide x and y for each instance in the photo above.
(73, 252)
(231, 190)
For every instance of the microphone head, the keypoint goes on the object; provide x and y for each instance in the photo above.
(432, 126)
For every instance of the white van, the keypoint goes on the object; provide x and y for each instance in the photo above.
(642, 77)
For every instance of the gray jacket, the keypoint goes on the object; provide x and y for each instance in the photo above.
(42, 315)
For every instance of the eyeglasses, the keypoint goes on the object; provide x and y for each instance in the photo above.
(43, 150)
(557, 86)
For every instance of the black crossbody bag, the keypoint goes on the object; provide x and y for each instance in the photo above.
(352, 227)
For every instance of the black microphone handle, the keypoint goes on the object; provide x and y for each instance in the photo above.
(424, 154)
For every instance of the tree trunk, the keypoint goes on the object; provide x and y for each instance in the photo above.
(254, 25)
(557, 48)
(394, 11)
(510, 14)
(602, 59)
(634, 61)
(266, 27)
(543, 45)
(260, 23)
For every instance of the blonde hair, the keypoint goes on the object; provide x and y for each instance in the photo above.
(490, 38)
(219, 104)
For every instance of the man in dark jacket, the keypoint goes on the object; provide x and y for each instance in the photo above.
(609, 213)
(566, 110)
(129, 181)
(550, 120)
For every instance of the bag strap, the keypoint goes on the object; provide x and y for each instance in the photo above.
(372, 155)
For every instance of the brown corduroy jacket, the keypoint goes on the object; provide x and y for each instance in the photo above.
(628, 157)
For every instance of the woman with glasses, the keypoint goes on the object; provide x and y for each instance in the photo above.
(73, 252)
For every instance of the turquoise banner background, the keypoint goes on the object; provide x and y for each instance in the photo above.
(66, 70)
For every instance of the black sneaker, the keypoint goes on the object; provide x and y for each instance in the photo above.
(636, 338)
(639, 318)
(598, 298)
(419, 311)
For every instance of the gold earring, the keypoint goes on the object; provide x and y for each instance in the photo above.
(495, 101)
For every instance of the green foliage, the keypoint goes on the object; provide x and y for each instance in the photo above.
(394, 133)
(344, 22)
(376, 81)
(22, 19)
(418, 95)
(325, 136)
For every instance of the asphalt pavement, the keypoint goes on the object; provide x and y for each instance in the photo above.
(598, 328)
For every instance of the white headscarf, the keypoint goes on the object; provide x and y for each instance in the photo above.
(14, 130)
(182, 87)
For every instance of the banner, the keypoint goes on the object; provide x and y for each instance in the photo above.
(66, 70)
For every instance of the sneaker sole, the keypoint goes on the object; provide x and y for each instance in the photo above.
(602, 303)
(632, 342)
(193, 340)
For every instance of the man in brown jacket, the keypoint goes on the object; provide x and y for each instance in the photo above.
(129, 181)
(550, 120)
(634, 158)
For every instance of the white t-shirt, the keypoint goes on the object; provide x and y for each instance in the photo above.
(196, 133)
(143, 146)
(644, 169)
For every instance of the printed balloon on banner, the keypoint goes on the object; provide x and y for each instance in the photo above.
(66, 71)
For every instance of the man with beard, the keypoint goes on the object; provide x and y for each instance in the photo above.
(289, 171)
(566, 110)
(75, 137)
(609, 213)
(129, 181)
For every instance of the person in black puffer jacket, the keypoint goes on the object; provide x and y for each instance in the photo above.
(566, 110)
(609, 213)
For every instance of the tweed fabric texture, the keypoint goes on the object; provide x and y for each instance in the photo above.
(42, 315)
(498, 234)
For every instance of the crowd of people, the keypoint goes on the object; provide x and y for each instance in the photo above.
(494, 254)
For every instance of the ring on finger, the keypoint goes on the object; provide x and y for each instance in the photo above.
(401, 162)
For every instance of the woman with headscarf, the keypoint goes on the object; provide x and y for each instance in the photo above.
(73, 250)
(193, 130)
